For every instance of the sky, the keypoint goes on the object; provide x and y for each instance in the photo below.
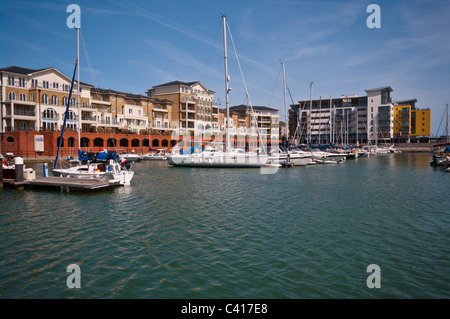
(133, 45)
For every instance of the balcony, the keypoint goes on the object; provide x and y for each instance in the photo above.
(21, 113)
(109, 122)
(49, 117)
(101, 102)
(89, 119)
(91, 107)
(160, 108)
(189, 109)
(19, 128)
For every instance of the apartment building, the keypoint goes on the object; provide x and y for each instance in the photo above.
(193, 110)
(411, 124)
(349, 119)
(256, 120)
(34, 100)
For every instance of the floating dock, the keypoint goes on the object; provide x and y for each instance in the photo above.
(65, 184)
(19, 177)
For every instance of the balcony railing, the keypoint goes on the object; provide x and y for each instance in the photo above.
(18, 128)
(50, 117)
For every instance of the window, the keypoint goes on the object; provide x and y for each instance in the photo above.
(45, 84)
(11, 96)
(55, 85)
(49, 114)
(11, 80)
(54, 100)
(44, 99)
(34, 83)
(73, 103)
(22, 82)
(130, 111)
(64, 101)
(71, 116)
(31, 97)
(22, 97)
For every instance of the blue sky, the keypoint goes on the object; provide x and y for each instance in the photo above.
(134, 45)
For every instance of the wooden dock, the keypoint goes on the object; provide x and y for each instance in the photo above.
(65, 184)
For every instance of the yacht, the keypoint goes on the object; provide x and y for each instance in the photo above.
(103, 165)
(212, 157)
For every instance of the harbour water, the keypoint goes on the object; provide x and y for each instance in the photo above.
(304, 232)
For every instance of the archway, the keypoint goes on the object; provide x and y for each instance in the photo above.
(98, 142)
(111, 142)
(85, 142)
(57, 142)
(124, 142)
(135, 142)
(71, 142)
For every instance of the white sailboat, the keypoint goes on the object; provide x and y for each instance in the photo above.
(213, 157)
(102, 165)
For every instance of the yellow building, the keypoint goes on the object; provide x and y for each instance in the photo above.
(410, 122)
(422, 121)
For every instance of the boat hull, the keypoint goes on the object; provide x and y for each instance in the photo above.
(218, 161)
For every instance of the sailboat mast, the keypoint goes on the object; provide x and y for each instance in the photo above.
(310, 109)
(78, 87)
(285, 105)
(331, 125)
(227, 102)
(446, 128)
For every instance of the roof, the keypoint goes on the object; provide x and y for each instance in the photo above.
(405, 101)
(256, 108)
(26, 71)
(156, 100)
(177, 83)
(20, 70)
(381, 88)
(127, 95)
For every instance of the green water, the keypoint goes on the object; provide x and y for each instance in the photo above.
(304, 232)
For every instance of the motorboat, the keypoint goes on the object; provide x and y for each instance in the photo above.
(159, 155)
(132, 157)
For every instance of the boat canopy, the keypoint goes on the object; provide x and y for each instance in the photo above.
(96, 157)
